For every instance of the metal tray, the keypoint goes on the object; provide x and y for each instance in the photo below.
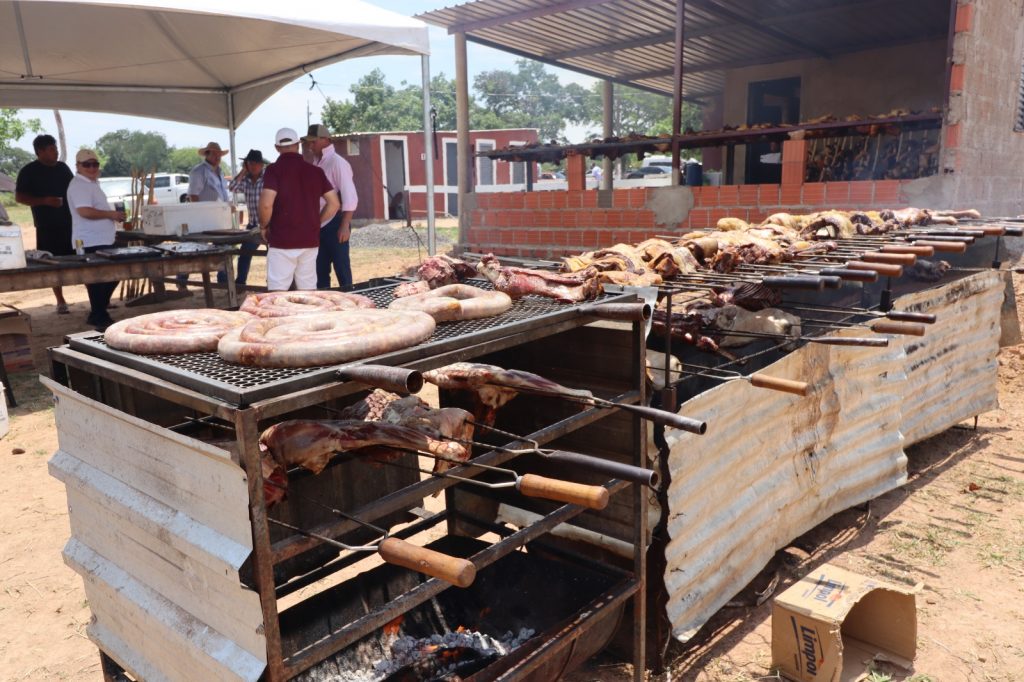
(129, 252)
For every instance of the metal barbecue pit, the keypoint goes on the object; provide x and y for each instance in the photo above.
(242, 385)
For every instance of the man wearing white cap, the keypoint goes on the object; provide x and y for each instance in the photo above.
(291, 214)
(92, 225)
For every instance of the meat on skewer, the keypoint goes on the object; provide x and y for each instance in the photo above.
(310, 444)
(519, 282)
(436, 272)
(494, 386)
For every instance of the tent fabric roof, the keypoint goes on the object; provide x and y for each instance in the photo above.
(633, 42)
(180, 59)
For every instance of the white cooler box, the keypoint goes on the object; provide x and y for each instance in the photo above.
(181, 219)
(12, 249)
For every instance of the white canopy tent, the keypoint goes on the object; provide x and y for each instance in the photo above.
(208, 62)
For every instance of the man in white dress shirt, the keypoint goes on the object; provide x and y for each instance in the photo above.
(335, 233)
(92, 226)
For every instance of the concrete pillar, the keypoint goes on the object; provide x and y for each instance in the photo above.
(607, 111)
(465, 153)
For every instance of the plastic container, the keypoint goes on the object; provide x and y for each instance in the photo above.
(693, 174)
(181, 219)
(12, 248)
(5, 422)
(714, 178)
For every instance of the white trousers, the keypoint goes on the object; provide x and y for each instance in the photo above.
(285, 265)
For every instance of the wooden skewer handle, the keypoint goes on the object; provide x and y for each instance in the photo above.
(458, 572)
(777, 384)
(899, 328)
(904, 316)
(881, 268)
(946, 247)
(590, 496)
(993, 230)
(917, 249)
(892, 258)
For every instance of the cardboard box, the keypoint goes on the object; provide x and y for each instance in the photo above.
(15, 339)
(833, 624)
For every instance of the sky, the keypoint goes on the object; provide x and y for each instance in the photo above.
(289, 106)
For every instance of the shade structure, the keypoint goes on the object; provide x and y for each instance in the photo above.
(208, 62)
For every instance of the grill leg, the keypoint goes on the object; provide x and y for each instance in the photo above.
(112, 672)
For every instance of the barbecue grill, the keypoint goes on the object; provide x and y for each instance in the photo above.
(182, 426)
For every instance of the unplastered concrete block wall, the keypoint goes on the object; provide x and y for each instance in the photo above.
(983, 157)
(551, 224)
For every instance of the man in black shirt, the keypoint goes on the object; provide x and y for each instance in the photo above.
(43, 185)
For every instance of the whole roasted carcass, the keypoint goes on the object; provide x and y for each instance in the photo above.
(519, 282)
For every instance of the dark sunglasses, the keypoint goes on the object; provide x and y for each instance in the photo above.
(90, 164)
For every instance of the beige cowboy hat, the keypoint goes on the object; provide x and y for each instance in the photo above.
(211, 147)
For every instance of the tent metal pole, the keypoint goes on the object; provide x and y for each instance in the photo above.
(428, 149)
(231, 135)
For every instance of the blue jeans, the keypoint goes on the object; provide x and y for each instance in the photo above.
(247, 248)
(99, 296)
(333, 253)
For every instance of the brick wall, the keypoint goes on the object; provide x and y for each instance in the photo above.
(550, 224)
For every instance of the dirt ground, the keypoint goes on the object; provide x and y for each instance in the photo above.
(957, 526)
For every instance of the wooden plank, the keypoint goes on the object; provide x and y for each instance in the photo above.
(175, 528)
(165, 636)
(110, 271)
(216, 599)
(181, 472)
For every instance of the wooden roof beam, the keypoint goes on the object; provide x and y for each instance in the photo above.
(523, 15)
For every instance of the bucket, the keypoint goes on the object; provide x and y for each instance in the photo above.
(693, 172)
(714, 178)
(5, 422)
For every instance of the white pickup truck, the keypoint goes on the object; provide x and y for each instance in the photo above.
(168, 188)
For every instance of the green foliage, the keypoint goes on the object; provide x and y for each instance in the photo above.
(181, 160)
(532, 97)
(636, 111)
(12, 127)
(123, 150)
(13, 159)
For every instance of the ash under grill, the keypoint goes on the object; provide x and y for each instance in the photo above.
(241, 385)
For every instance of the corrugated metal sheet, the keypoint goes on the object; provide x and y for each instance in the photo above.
(951, 370)
(159, 531)
(773, 466)
(632, 42)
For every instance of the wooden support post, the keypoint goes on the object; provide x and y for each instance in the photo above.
(465, 155)
(607, 111)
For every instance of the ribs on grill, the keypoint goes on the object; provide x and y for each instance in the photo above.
(494, 386)
(435, 272)
(519, 282)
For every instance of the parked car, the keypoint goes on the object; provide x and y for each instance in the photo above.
(645, 172)
(555, 175)
(168, 188)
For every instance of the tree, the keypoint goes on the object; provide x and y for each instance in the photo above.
(532, 97)
(123, 150)
(13, 159)
(12, 128)
(636, 111)
(182, 159)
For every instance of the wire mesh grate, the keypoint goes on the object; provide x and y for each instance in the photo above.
(241, 384)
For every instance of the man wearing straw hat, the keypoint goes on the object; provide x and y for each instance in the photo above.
(206, 183)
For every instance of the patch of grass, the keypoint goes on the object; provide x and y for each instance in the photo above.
(878, 676)
(921, 677)
(932, 544)
(20, 215)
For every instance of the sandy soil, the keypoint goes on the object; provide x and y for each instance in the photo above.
(958, 526)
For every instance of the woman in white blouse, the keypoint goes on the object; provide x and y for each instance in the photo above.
(92, 226)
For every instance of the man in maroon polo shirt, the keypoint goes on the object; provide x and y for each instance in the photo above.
(290, 215)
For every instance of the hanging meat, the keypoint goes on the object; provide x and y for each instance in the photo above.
(519, 282)
(494, 386)
(310, 444)
(411, 412)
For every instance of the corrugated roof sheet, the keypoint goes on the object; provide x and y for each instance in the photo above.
(633, 42)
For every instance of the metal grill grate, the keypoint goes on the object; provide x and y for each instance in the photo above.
(242, 385)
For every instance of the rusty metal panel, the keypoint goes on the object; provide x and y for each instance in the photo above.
(159, 532)
(952, 369)
(773, 465)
